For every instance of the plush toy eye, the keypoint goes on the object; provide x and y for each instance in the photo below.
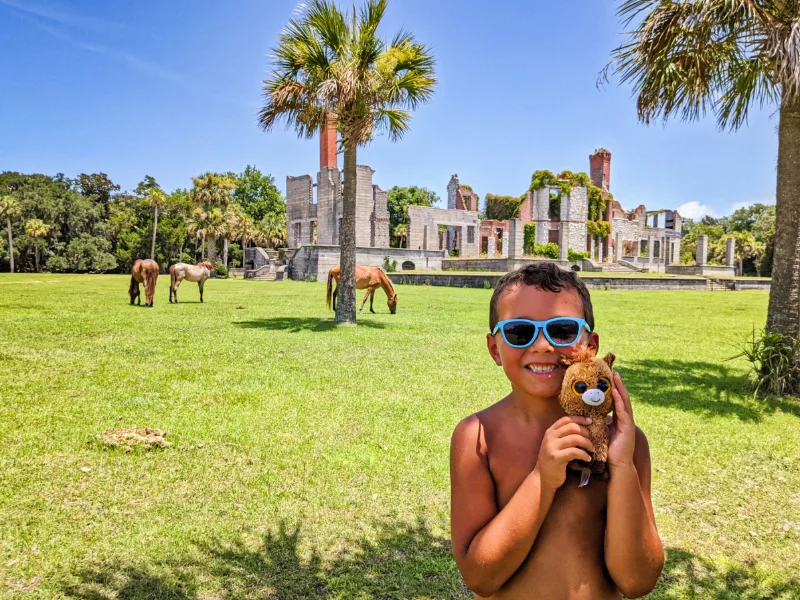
(603, 385)
(579, 387)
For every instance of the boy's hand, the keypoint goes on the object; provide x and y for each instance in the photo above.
(623, 429)
(567, 439)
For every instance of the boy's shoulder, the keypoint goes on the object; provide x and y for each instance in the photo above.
(473, 428)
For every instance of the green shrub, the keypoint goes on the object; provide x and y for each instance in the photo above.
(222, 271)
(775, 361)
(487, 285)
(389, 265)
(529, 240)
(574, 256)
(549, 250)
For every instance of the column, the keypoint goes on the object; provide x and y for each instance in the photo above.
(515, 238)
(591, 248)
(563, 241)
(618, 247)
(702, 250)
(650, 248)
(730, 252)
(491, 248)
(599, 250)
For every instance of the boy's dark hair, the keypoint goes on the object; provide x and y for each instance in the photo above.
(545, 276)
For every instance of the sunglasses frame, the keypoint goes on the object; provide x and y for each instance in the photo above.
(541, 327)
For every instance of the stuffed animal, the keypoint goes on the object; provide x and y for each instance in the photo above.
(586, 391)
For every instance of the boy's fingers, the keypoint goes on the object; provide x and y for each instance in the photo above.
(564, 421)
(572, 428)
(576, 454)
(577, 441)
(626, 398)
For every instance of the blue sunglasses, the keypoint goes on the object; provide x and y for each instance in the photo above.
(560, 331)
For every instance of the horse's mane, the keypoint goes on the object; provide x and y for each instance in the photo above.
(388, 281)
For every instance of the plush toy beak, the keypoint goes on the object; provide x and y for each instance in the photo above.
(593, 397)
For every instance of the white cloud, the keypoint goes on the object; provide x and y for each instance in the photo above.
(56, 14)
(750, 201)
(695, 210)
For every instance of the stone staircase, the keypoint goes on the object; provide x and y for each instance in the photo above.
(715, 285)
(275, 270)
(617, 268)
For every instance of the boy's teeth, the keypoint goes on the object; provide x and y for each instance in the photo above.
(541, 368)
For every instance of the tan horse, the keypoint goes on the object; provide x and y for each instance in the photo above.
(369, 278)
(180, 271)
(144, 272)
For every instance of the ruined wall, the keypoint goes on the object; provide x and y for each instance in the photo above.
(423, 230)
(541, 214)
(329, 205)
(364, 206)
(300, 210)
(380, 219)
(452, 192)
(574, 211)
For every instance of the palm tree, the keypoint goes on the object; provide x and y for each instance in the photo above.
(155, 199)
(401, 233)
(687, 58)
(273, 230)
(10, 209)
(36, 228)
(212, 193)
(331, 65)
(244, 231)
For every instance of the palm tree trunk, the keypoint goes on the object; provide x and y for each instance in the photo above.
(36, 256)
(10, 244)
(155, 228)
(225, 252)
(783, 315)
(346, 306)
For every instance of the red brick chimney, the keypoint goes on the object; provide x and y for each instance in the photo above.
(600, 168)
(328, 145)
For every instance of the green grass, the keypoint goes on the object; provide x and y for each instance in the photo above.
(313, 461)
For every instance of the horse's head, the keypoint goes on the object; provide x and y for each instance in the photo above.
(206, 264)
(393, 304)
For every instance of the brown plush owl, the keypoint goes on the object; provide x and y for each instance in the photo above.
(586, 391)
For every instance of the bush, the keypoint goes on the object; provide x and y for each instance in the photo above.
(529, 240)
(389, 265)
(546, 250)
(775, 360)
(222, 272)
(574, 256)
(56, 264)
(455, 252)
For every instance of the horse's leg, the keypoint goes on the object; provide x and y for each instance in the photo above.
(371, 298)
(200, 285)
(177, 283)
(367, 295)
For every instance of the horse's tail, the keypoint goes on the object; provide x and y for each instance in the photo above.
(329, 290)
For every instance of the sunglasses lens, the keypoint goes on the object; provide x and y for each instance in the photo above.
(519, 333)
(563, 331)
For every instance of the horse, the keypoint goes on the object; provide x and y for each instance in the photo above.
(180, 271)
(144, 272)
(369, 278)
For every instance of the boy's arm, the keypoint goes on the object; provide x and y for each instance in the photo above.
(633, 551)
(489, 545)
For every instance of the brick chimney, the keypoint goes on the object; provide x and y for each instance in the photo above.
(328, 145)
(600, 168)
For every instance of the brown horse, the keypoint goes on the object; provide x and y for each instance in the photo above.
(180, 271)
(369, 278)
(144, 272)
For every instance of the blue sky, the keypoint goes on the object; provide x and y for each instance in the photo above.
(171, 89)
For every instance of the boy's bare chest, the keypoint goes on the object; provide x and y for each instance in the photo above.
(512, 459)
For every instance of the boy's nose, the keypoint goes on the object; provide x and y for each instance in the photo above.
(540, 344)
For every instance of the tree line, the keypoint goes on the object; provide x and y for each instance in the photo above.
(89, 225)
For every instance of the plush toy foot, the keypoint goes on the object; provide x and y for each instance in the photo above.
(585, 475)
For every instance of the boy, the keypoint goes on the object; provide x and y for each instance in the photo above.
(520, 525)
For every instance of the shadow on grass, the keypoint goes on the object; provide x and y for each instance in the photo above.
(405, 561)
(688, 576)
(698, 386)
(297, 324)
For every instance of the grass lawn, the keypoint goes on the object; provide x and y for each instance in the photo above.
(312, 461)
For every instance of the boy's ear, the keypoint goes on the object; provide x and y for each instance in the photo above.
(491, 344)
(609, 359)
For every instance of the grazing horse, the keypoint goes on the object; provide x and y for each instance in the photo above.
(369, 278)
(180, 271)
(144, 272)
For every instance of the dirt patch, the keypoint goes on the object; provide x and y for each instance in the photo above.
(129, 438)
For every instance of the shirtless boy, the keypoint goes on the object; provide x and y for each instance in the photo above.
(521, 526)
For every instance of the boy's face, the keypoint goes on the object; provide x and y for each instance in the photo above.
(537, 370)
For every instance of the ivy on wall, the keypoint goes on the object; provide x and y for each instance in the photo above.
(598, 199)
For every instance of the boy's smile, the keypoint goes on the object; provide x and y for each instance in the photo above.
(537, 371)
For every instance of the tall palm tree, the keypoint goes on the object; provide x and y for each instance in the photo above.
(273, 230)
(155, 199)
(690, 57)
(10, 209)
(212, 193)
(36, 228)
(330, 64)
